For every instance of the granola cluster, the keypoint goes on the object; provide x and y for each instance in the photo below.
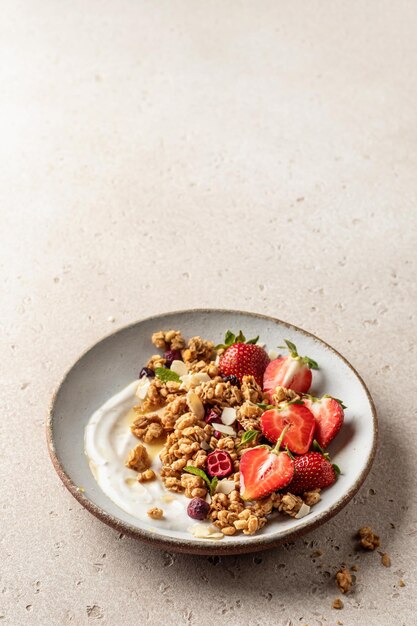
(173, 412)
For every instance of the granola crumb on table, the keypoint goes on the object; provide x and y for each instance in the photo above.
(368, 539)
(344, 580)
(385, 560)
(337, 603)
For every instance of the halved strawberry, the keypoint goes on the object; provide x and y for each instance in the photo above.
(292, 372)
(299, 420)
(312, 471)
(242, 359)
(329, 415)
(263, 471)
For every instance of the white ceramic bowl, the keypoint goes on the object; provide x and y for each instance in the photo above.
(115, 361)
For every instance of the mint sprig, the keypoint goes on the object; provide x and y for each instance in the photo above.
(211, 484)
(166, 375)
(230, 338)
(248, 436)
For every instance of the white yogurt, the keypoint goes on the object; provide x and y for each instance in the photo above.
(108, 440)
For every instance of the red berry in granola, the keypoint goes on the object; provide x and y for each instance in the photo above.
(242, 359)
(292, 372)
(329, 415)
(212, 417)
(198, 508)
(312, 471)
(263, 471)
(299, 420)
(219, 463)
(170, 356)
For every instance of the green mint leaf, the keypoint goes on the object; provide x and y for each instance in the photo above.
(248, 436)
(166, 375)
(255, 340)
(264, 407)
(198, 472)
(213, 485)
(336, 468)
(313, 365)
(240, 338)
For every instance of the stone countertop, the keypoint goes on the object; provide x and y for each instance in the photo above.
(157, 156)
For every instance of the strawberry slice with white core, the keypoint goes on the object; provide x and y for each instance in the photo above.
(263, 471)
(329, 415)
(296, 420)
(292, 372)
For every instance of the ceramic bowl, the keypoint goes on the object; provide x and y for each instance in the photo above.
(113, 362)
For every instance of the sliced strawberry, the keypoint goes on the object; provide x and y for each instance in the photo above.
(242, 359)
(300, 422)
(329, 415)
(292, 372)
(312, 471)
(263, 471)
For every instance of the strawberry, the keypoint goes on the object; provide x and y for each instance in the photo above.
(312, 470)
(242, 358)
(263, 471)
(299, 421)
(292, 372)
(329, 415)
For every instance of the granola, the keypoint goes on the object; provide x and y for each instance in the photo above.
(210, 421)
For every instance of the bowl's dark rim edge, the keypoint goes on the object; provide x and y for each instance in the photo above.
(254, 544)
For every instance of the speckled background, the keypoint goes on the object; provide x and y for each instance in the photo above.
(172, 154)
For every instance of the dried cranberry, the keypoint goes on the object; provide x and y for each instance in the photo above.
(233, 380)
(171, 355)
(146, 371)
(212, 417)
(198, 508)
(219, 463)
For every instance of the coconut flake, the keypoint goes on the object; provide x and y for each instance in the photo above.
(304, 510)
(228, 416)
(202, 531)
(227, 430)
(225, 486)
(179, 367)
(193, 380)
(195, 405)
(273, 354)
(143, 387)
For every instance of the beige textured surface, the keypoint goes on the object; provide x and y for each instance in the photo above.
(160, 155)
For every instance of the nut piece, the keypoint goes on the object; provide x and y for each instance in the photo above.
(385, 560)
(344, 580)
(155, 513)
(146, 476)
(368, 539)
(337, 603)
(138, 459)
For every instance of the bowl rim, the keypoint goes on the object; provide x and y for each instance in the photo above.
(193, 546)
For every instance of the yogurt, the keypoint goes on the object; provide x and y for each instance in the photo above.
(107, 442)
